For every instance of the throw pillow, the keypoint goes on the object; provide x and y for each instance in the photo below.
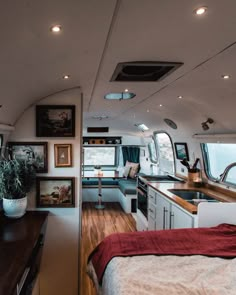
(134, 168)
(126, 171)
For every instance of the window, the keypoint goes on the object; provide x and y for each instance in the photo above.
(230, 177)
(164, 153)
(152, 151)
(101, 156)
(217, 156)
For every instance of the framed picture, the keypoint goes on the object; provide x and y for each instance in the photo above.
(63, 155)
(36, 152)
(55, 192)
(55, 120)
(181, 150)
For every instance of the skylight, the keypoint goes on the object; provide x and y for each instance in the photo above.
(120, 95)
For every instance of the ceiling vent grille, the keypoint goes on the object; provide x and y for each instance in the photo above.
(143, 71)
(97, 129)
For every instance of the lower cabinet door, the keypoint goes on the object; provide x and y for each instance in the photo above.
(179, 218)
(162, 212)
(151, 223)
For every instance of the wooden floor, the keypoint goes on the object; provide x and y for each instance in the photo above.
(96, 225)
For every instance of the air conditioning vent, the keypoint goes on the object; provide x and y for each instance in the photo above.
(143, 71)
(97, 129)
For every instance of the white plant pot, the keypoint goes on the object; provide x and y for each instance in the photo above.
(14, 208)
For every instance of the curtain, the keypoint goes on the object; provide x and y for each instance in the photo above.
(130, 154)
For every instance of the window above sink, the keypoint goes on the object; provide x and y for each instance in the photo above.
(217, 157)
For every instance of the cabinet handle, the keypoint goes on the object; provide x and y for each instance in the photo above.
(164, 217)
(171, 215)
(151, 210)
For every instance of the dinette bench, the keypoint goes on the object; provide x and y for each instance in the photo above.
(123, 191)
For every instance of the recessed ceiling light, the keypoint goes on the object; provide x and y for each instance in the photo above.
(147, 110)
(66, 77)
(126, 90)
(180, 96)
(200, 10)
(225, 76)
(160, 105)
(56, 29)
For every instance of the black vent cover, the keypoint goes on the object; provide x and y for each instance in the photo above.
(97, 129)
(143, 71)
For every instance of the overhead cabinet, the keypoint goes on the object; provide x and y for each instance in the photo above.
(165, 214)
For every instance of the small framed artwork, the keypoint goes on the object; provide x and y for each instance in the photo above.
(35, 152)
(55, 120)
(63, 155)
(55, 192)
(181, 150)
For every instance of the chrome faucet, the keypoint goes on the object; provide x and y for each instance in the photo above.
(224, 174)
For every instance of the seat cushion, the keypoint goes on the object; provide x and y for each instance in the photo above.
(128, 186)
(94, 181)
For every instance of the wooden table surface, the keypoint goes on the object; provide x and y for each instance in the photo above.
(103, 174)
(17, 240)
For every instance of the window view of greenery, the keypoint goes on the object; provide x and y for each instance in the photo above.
(165, 153)
(218, 157)
(102, 156)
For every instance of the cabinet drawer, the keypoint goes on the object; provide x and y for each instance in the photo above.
(152, 196)
(151, 210)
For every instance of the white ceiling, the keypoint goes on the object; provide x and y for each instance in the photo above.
(96, 35)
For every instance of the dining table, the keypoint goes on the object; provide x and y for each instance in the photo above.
(101, 175)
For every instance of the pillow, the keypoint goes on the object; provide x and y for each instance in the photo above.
(134, 168)
(126, 171)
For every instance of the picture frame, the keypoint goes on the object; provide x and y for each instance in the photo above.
(181, 150)
(58, 192)
(63, 155)
(55, 120)
(37, 152)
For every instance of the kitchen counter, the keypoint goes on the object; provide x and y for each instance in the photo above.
(164, 188)
(20, 245)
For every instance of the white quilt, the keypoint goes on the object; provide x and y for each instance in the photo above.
(162, 275)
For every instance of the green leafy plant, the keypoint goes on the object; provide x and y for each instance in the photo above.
(16, 178)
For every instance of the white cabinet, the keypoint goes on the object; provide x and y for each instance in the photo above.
(165, 214)
(141, 222)
(179, 218)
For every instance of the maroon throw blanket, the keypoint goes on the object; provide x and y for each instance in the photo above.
(219, 241)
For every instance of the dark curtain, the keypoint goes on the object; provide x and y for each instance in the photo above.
(130, 154)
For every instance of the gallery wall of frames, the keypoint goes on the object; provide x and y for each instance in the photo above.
(51, 121)
(50, 133)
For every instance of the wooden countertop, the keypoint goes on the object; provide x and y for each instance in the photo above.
(164, 188)
(17, 240)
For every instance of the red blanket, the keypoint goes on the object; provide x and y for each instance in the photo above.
(219, 241)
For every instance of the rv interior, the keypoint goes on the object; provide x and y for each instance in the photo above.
(128, 107)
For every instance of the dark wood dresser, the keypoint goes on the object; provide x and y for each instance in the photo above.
(21, 243)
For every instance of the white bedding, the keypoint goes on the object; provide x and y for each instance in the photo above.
(162, 275)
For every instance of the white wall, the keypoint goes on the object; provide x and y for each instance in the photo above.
(59, 268)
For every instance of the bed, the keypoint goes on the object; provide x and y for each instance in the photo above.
(179, 261)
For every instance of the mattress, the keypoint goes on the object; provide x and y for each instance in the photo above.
(170, 274)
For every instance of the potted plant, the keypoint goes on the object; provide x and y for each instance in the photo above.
(16, 180)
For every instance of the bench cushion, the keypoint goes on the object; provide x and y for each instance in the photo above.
(128, 186)
(94, 181)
